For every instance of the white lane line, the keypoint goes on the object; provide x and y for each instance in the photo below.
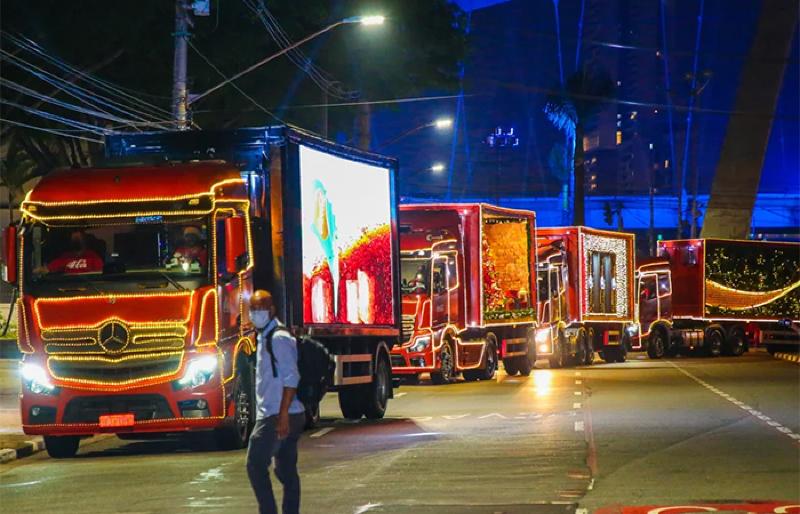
(753, 412)
(576, 405)
(577, 373)
(578, 382)
(578, 393)
(579, 426)
(400, 395)
(321, 432)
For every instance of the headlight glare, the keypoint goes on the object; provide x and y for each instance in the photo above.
(36, 379)
(199, 371)
(420, 344)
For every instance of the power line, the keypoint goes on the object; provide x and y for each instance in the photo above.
(50, 131)
(55, 117)
(221, 74)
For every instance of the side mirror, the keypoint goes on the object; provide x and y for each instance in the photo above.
(10, 264)
(235, 244)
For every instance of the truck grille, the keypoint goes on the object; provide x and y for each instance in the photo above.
(141, 339)
(88, 409)
(408, 326)
(115, 371)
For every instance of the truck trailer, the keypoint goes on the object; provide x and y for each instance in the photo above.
(585, 285)
(718, 297)
(134, 281)
(468, 289)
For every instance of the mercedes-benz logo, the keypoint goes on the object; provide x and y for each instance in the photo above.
(113, 337)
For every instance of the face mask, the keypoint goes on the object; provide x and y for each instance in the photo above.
(260, 318)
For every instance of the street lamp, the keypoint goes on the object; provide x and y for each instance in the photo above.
(362, 20)
(438, 124)
(437, 167)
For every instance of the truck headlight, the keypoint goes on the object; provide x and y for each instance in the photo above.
(420, 344)
(632, 329)
(36, 379)
(199, 371)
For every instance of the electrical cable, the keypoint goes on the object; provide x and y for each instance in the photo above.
(50, 131)
(55, 117)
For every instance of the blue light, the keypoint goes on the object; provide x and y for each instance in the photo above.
(149, 219)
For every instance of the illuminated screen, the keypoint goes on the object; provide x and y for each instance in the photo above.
(347, 245)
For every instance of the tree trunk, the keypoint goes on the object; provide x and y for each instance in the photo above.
(579, 193)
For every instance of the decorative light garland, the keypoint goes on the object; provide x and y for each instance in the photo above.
(619, 248)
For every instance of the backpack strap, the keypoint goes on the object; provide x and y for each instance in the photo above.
(272, 360)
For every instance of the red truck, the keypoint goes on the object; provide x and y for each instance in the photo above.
(468, 289)
(134, 281)
(719, 297)
(585, 284)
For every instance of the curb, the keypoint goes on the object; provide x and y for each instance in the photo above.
(27, 449)
(789, 357)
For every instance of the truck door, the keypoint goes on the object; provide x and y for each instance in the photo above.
(665, 295)
(453, 289)
(648, 301)
(233, 283)
(439, 293)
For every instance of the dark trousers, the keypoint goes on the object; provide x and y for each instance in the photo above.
(264, 445)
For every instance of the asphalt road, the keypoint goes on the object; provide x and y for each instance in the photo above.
(640, 433)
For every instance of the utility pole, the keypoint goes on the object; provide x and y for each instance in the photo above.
(179, 90)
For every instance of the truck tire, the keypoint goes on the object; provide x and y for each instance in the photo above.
(235, 434)
(736, 342)
(526, 363)
(582, 351)
(714, 342)
(589, 348)
(446, 372)
(61, 447)
(558, 359)
(510, 365)
(351, 402)
(378, 391)
(656, 344)
(490, 361)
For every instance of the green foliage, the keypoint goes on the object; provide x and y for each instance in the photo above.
(515, 315)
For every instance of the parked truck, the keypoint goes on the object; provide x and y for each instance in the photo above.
(134, 281)
(718, 297)
(468, 289)
(585, 285)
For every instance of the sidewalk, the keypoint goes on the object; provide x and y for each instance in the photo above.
(13, 443)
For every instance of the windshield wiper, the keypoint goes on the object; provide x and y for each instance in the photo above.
(172, 281)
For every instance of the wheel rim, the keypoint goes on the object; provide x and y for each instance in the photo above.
(447, 362)
(491, 362)
(658, 345)
(242, 417)
(738, 344)
(716, 344)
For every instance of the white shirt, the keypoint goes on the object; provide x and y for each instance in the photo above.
(269, 388)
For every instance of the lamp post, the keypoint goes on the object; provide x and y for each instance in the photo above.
(363, 20)
(438, 124)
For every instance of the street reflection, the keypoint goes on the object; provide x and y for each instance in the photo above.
(542, 382)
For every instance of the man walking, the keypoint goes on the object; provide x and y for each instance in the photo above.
(280, 415)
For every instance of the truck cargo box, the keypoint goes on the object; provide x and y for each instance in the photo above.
(600, 276)
(727, 279)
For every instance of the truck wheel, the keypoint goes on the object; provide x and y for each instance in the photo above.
(714, 342)
(656, 344)
(236, 432)
(379, 388)
(351, 402)
(490, 368)
(736, 343)
(446, 371)
(62, 447)
(588, 355)
(558, 359)
(525, 364)
(510, 365)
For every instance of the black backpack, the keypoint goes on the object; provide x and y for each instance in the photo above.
(314, 362)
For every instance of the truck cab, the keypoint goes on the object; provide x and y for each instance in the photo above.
(654, 308)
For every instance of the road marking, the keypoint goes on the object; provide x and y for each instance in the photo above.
(578, 393)
(576, 405)
(753, 412)
(321, 432)
(579, 426)
(366, 508)
(578, 382)
(577, 373)
(492, 414)
(455, 416)
(423, 418)
(400, 395)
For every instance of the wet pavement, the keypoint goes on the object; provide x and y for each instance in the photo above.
(684, 431)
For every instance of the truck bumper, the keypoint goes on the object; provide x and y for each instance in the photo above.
(406, 362)
(157, 408)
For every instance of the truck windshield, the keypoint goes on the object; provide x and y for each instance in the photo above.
(146, 253)
(415, 276)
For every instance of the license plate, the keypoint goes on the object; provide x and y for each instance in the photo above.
(116, 420)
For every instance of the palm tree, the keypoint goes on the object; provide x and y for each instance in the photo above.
(579, 100)
(16, 169)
